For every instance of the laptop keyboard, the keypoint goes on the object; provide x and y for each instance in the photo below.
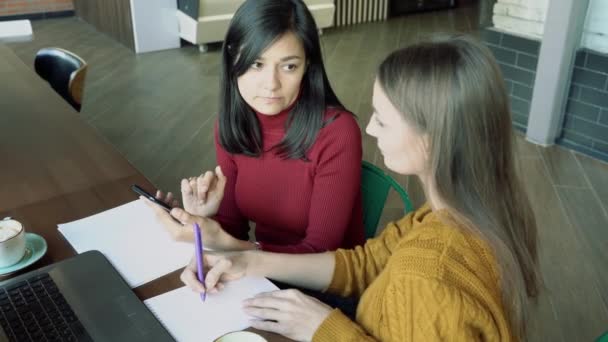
(35, 310)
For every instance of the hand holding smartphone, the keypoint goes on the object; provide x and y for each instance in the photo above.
(137, 189)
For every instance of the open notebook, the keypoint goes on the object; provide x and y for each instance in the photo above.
(187, 318)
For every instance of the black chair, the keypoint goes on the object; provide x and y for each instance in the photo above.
(65, 71)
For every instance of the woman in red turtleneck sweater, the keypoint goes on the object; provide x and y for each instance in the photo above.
(289, 153)
(298, 206)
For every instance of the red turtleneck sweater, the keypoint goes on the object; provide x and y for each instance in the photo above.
(297, 206)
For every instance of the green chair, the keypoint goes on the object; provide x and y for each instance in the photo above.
(375, 185)
(603, 338)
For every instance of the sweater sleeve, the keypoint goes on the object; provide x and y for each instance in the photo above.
(357, 268)
(416, 308)
(337, 183)
(229, 216)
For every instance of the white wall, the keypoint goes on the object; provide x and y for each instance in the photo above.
(524, 17)
(527, 18)
(595, 35)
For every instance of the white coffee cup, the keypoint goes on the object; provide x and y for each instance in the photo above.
(241, 336)
(12, 242)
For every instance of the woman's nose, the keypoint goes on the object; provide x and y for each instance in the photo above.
(271, 80)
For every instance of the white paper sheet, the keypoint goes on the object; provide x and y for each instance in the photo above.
(187, 318)
(132, 239)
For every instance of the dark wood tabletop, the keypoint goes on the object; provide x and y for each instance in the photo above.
(55, 168)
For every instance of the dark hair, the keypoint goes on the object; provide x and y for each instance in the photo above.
(254, 27)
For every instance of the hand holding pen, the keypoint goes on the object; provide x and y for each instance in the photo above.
(221, 267)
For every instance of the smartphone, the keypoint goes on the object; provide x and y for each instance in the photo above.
(147, 195)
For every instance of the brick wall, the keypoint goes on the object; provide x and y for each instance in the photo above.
(586, 119)
(22, 8)
(585, 127)
(517, 58)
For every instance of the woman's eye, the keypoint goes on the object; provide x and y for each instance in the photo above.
(290, 67)
(257, 65)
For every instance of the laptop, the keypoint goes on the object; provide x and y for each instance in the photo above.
(82, 298)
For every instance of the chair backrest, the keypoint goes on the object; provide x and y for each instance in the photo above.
(375, 185)
(65, 71)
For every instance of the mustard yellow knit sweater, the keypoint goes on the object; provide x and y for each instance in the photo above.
(420, 280)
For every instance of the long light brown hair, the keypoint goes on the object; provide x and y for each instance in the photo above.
(451, 89)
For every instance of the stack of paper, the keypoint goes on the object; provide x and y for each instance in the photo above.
(132, 239)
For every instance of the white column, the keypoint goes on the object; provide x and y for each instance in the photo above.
(562, 34)
(155, 25)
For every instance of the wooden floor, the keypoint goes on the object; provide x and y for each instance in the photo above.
(158, 109)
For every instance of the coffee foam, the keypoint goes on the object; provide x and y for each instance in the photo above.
(9, 229)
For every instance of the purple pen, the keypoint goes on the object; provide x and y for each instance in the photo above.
(198, 247)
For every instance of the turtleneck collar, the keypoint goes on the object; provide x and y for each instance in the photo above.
(274, 122)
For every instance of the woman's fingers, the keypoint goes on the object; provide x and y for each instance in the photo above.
(189, 278)
(188, 219)
(265, 313)
(185, 187)
(192, 184)
(203, 184)
(231, 276)
(183, 216)
(221, 181)
(269, 306)
(287, 312)
(174, 228)
(272, 326)
(201, 195)
(271, 300)
(214, 274)
(169, 198)
(286, 294)
(160, 213)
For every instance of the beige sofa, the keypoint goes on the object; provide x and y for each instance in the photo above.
(215, 15)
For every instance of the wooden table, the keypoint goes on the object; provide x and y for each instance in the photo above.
(54, 168)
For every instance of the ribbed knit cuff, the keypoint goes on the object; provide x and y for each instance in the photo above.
(338, 281)
(334, 326)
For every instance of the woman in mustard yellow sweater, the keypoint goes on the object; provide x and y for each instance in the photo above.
(462, 267)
